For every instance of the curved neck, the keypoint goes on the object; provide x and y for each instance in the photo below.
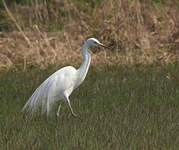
(82, 71)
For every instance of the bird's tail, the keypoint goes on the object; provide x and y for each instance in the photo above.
(33, 103)
(29, 106)
(40, 98)
(26, 106)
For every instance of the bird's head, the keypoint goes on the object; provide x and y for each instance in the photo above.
(95, 42)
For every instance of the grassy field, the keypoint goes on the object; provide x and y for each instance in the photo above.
(127, 108)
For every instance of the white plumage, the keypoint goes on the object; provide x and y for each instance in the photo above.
(61, 84)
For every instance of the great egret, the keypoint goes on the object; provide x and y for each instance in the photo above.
(61, 84)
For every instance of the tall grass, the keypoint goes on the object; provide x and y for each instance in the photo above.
(140, 32)
(121, 108)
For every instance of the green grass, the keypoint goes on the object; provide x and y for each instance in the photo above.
(122, 108)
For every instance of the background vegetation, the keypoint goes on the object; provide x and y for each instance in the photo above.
(140, 32)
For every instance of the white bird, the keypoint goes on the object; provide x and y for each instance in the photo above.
(61, 84)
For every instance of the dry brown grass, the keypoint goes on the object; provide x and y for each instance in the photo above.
(140, 33)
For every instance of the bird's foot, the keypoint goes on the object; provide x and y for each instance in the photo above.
(76, 116)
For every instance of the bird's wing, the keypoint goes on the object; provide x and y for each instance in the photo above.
(40, 97)
(52, 89)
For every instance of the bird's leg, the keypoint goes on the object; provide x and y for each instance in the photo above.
(58, 111)
(74, 115)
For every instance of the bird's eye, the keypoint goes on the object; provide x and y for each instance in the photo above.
(95, 42)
